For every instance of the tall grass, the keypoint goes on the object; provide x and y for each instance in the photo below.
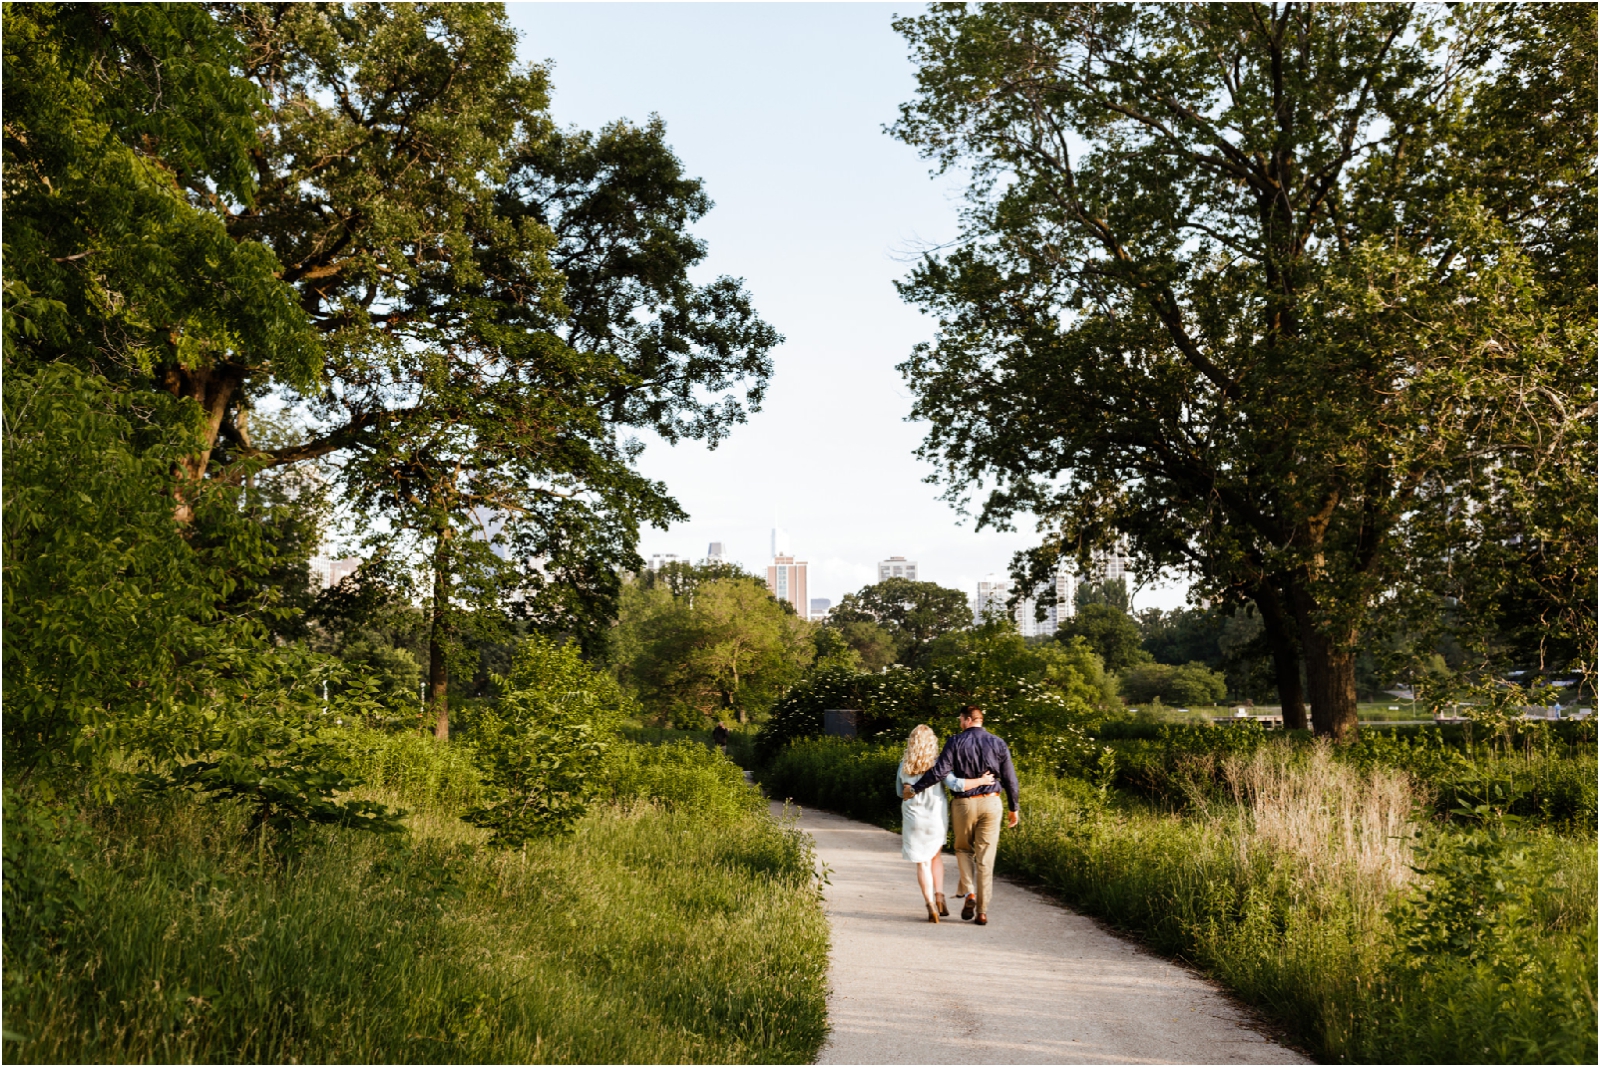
(158, 932)
(1301, 892)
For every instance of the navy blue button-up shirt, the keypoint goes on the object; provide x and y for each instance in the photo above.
(970, 754)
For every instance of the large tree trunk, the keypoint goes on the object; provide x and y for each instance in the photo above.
(1330, 669)
(1331, 677)
(438, 671)
(1280, 635)
(213, 388)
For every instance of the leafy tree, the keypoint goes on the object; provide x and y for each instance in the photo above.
(498, 299)
(1109, 633)
(1220, 290)
(832, 650)
(1183, 635)
(913, 613)
(127, 131)
(873, 645)
(725, 648)
(1190, 683)
(1110, 591)
(543, 745)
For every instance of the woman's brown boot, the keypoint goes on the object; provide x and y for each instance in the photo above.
(933, 914)
(939, 898)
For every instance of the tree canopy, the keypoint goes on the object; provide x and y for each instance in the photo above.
(1231, 285)
(912, 613)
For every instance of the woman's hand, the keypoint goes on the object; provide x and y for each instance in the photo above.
(907, 793)
(977, 783)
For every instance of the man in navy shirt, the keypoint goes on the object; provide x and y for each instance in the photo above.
(975, 813)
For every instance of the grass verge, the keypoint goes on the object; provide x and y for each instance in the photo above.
(158, 933)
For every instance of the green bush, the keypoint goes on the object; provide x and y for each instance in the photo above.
(683, 775)
(155, 933)
(849, 777)
(1192, 683)
(541, 748)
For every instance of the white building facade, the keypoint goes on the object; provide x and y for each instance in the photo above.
(897, 567)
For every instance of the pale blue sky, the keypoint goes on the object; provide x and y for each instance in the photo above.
(780, 109)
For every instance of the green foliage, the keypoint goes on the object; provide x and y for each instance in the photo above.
(890, 702)
(648, 936)
(114, 114)
(1489, 931)
(724, 648)
(848, 777)
(425, 775)
(874, 647)
(683, 775)
(1192, 683)
(1110, 592)
(1109, 633)
(912, 613)
(541, 748)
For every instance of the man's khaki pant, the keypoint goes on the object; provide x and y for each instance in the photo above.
(977, 827)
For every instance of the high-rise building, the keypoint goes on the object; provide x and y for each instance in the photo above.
(780, 542)
(327, 572)
(991, 598)
(897, 567)
(660, 560)
(994, 591)
(819, 608)
(786, 580)
(714, 552)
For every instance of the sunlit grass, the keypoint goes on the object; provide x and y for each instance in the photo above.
(647, 936)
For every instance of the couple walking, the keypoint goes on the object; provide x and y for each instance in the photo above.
(974, 765)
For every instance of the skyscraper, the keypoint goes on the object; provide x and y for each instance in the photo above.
(819, 608)
(714, 552)
(786, 580)
(897, 567)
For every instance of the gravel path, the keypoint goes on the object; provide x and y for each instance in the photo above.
(1039, 984)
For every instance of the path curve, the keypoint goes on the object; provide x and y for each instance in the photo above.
(1039, 984)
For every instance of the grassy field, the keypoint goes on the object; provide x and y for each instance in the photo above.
(658, 932)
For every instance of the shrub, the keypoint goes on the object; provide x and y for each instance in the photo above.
(849, 777)
(541, 748)
(686, 776)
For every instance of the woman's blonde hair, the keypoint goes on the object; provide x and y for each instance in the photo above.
(922, 749)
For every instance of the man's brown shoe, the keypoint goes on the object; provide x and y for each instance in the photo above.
(970, 908)
(939, 898)
(983, 920)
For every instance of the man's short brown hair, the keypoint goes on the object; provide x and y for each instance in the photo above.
(972, 712)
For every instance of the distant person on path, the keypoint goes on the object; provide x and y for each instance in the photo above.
(719, 737)
(975, 812)
(925, 819)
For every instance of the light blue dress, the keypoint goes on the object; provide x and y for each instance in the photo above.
(924, 819)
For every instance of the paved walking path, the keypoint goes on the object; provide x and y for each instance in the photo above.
(1039, 984)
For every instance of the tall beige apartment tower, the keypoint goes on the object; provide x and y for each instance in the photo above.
(786, 580)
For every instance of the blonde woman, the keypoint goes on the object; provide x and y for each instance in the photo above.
(925, 819)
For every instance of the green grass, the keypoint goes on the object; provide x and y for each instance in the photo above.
(1326, 954)
(156, 932)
